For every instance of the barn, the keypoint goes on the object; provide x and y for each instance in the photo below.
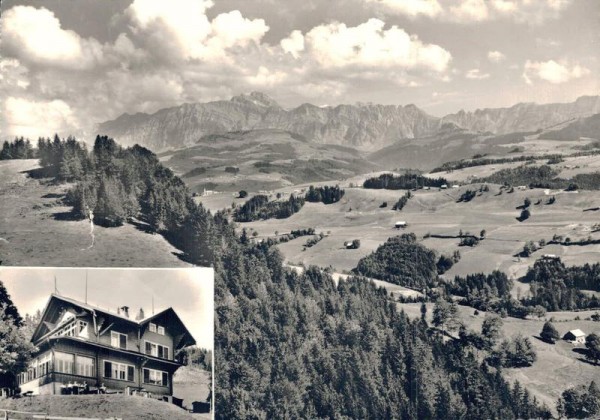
(575, 336)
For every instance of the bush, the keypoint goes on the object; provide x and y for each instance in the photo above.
(243, 194)
(525, 214)
(549, 333)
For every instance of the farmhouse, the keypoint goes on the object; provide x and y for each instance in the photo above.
(401, 224)
(575, 336)
(80, 345)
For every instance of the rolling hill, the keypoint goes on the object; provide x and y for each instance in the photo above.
(266, 159)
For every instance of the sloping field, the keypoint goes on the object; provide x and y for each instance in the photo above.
(99, 406)
(359, 216)
(35, 229)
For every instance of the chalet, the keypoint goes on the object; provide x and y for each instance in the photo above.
(79, 343)
(401, 225)
(575, 336)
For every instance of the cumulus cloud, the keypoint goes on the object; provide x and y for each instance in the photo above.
(293, 44)
(496, 56)
(36, 36)
(476, 74)
(37, 118)
(475, 11)
(410, 8)
(181, 29)
(553, 71)
(370, 45)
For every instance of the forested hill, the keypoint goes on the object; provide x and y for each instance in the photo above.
(291, 345)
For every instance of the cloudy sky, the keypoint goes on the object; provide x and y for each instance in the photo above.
(68, 64)
(189, 291)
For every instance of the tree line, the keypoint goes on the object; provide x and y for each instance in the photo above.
(260, 208)
(19, 148)
(325, 194)
(406, 181)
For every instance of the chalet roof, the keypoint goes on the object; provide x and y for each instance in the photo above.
(169, 313)
(577, 333)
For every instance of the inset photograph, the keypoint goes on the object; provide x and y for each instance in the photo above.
(106, 343)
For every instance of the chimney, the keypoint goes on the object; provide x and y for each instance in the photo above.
(140, 315)
(125, 310)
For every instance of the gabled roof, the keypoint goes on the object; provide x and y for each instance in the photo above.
(45, 326)
(577, 333)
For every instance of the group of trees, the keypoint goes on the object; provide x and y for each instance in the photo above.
(406, 181)
(581, 402)
(445, 263)
(114, 183)
(542, 176)
(399, 205)
(401, 260)
(197, 356)
(325, 194)
(260, 208)
(67, 160)
(557, 287)
(513, 353)
(19, 148)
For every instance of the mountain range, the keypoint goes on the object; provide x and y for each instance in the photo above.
(365, 126)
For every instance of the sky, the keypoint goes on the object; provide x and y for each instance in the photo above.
(190, 291)
(66, 65)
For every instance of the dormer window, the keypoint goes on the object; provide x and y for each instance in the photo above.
(118, 340)
(161, 330)
(152, 327)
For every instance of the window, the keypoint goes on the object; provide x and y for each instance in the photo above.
(44, 364)
(152, 327)
(118, 340)
(63, 362)
(118, 371)
(156, 377)
(157, 350)
(85, 366)
(161, 330)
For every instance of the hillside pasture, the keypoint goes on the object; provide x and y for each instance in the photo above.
(37, 230)
(435, 212)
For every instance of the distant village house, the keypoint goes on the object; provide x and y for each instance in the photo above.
(400, 224)
(575, 336)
